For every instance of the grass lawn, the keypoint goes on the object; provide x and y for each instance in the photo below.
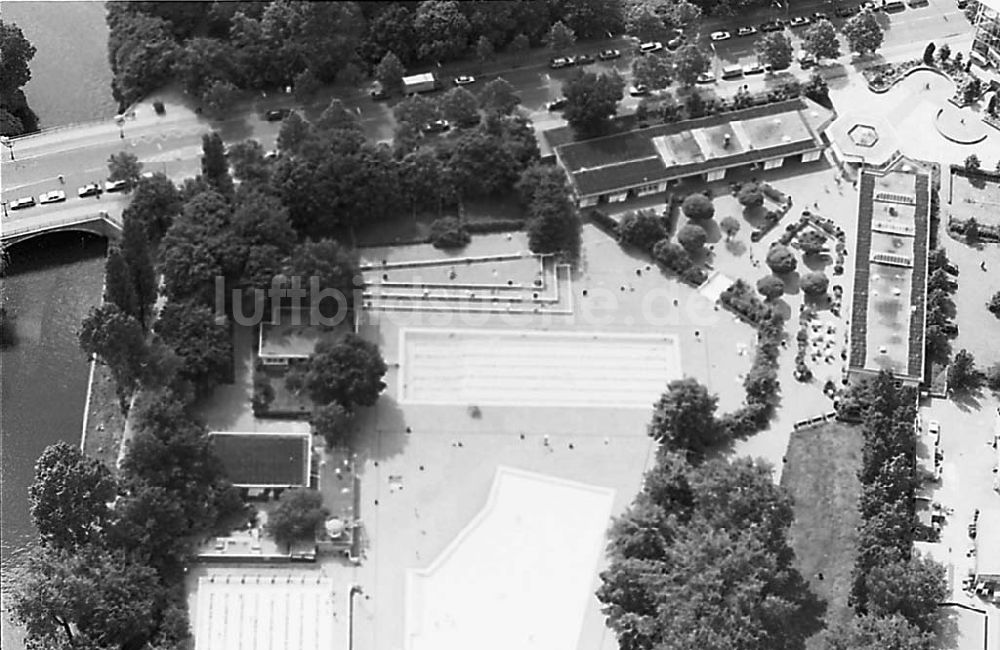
(105, 421)
(821, 475)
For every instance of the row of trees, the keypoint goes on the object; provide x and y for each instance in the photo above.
(216, 48)
(16, 117)
(895, 588)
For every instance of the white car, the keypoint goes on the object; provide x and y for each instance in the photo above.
(706, 78)
(114, 186)
(651, 46)
(24, 202)
(90, 189)
(721, 36)
(464, 80)
(55, 196)
(638, 90)
(934, 429)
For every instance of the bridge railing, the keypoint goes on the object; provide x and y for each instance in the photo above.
(8, 232)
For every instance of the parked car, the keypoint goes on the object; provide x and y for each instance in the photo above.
(115, 186)
(755, 68)
(23, 202)
(676, 41)
(560, 62)
(732, 71)
(721, 35)
(845, 11)
(650, 47)
(773, 26)
(378, 92)
(951, 269)
(273, 154)
(464, 80)
(819, 15)
(934, 429)
(638, 90)
(746, 31)
(90, 189)
(583, 59)
(806, 60)
(277, 114)
(55, 196)
(962, 4)
(706, 78)
(950, 329)
(918, 3)
(895, 5)
(799, 21)
(557, 104)
(607, 55)
(867, 6)
(437, 126)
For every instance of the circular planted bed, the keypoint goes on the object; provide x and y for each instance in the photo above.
(959, 125)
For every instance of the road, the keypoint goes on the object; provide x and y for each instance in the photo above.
(172, 143)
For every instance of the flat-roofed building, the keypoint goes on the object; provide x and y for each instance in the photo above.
(890, 280)
(646, 161)
(261, 461)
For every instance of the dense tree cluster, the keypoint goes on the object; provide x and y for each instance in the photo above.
(554, 224)
(701, 558)
(641, 229)
(940, 308)
(16, 52)
(591, 101)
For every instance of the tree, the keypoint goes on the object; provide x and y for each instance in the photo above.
(652, 71)
(994, 304)
(672, 256)
(484, 49)
(297, 517)
(202, 344)
(690, 61)
(781, 259)
(912, 589)
(69, 497)
(972, 163)
(218, 98)
(993, 378)
(460, 107)
(940, 281)
(124, 166)
(347, 372)
(87, 598)
(591, 101)
(538, 179)
(812, 242)
(692, 237)
(336, 117)
(214, 165)
(642, 23)
(16, 52)
(441, 30)
(138, 263)
(326, 265)
(333, 422)
(305, 86)
(863, 33)
(118, 289)
(775, 50)
(389, 72)
(944, 52)
(480, 165)
(416, 111)
(248, 162)
(422, 181)
(872, 632)
(118, 341)
(640, 229)
(771, 287)
(684, 418)
(962, 373)
(730, 226)
(821, 40)
(449, 233)
(814, 284)
(750, 195)
(155, 203)
(698, 207)
(560, 37)
(498, 96)
(294, 133)
(929, 53)
(519, 45)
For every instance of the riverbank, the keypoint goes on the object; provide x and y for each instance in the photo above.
(104, 427)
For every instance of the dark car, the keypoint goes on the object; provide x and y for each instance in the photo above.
(583, 59)
(950, 329)
(277, 114)
(607, 55)
(845, 11)
(773, 26)
(896, 5)
(557, 105)
(378, 93)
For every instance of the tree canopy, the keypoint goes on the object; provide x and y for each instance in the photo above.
(691, 237)
(591, 101)
(16, 53)
(641, 229)
(821, 40)
(698, 207)
(684, 418)
(775, 50)
(863, 33)
(297, 517)
(690, 61)
(347, 372)
(781, 259)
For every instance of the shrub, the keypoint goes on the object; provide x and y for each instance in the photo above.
(750, 195)
(814, 284)
(730, 226)
(448, 232)
(781, 260)
(604, 222)
(972, 163)
(698, 207)
(486, 226)
(994, 304)
(159, 108)
(672, 256)
(739, 297)
(812, 242)
(694, 275)
(771, 287)
(691, 237)
(640, 229)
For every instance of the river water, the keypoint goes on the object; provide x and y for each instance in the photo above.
(53, 281)
(70, 74)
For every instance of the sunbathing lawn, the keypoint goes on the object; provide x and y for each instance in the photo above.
(821, 476)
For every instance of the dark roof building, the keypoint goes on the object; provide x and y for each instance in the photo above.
(890, 277)
(264, 460)
(643, 161)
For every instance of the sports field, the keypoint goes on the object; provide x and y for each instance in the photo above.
(525, 368)
(519, 575)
